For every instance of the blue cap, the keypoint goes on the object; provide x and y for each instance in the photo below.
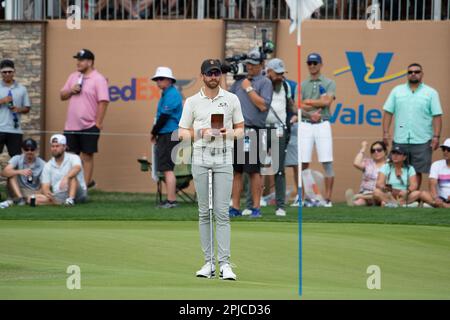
(314, 57)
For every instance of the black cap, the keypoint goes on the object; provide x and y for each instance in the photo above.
(398, 150)
(84, 54)
(209, 65)
(29, 144)
(6, 63)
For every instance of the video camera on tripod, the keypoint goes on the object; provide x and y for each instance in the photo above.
(236, 63)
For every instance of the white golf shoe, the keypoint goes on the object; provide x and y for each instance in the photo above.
(207, 271)
(226, 273)
(247, 212)
(280, 212)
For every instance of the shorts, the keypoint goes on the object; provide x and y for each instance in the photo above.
(292, 148)
(163, 152)
(419, 155)
(80, 197)
(85, 140)
(249, 161)
(13, 143)
(320, 135)
(26, 192)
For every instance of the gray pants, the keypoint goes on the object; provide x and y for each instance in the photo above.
(222, 185)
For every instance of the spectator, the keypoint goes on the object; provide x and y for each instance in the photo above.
(14, 102)
(318, 93)
(439, 194)
(255, 94)
(418, 120)
(24, 173)
(62, 178)
(397, 181)
(88, 95)
(370, 168)
(164, 133)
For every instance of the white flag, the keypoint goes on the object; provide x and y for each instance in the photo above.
(307, 7)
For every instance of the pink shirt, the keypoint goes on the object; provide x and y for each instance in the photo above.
(83, 107)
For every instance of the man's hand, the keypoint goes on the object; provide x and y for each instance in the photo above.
(99, 125)
(227, 133)
(246, 83)
(294, 119)
(6, 99)
(15, 109)
(386, 138)
(49, 195)
(64, 184)
(307, 102)
(435, 143)
(438, 202)
(315, 117)
(76, 89)
(364, 145)
(152, 139)
(26, 172)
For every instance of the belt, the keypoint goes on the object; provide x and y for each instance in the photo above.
(315, 122)
(214, 151)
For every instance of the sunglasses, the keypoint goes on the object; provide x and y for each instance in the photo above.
(159, 79)
(29, 149)
(215, 73)
(7, 72)
(314, 63)
(414, 71)
(377, 150)
(399, 153)
(445, 149)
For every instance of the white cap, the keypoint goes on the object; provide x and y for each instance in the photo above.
(60, 139)
(164, 72)
(276, 65)
(446, 143)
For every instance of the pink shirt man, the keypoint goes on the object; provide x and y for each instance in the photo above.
(82, 112)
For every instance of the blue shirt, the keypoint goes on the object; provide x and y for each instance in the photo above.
(171, 103)
(20, 99)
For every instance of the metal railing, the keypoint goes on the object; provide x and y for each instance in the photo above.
(389, 10)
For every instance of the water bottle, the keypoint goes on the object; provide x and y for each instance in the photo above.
(33, 200)
(80, 81)
(10, 106)
(30, 179)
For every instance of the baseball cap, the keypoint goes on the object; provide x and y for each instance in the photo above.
(60, 139)
(29, 144)
(209, 65)
(446, 143)
(7, 65)
(164, 72)
(398, 150)
(254, 57)
(314, 57)
(84, 54)
(276, 65)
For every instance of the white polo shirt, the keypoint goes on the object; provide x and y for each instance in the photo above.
(54, 173)
(197, 113)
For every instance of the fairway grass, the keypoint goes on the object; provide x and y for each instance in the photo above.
(158, 259)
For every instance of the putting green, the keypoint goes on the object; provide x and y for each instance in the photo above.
(157, 260)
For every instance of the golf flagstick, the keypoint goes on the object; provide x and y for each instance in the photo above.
(210, 210)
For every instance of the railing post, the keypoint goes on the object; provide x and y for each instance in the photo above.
(437, 9)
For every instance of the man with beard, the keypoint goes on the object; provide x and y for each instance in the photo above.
(212, 149)
(62, 178)
(418, 120)
(88, 95)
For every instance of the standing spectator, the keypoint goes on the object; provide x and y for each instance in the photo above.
(164, 132)
(255, 95)
(418, 120)
(370, 168)
(62, 178)
(87, 92)
(396, 181)
(318, 94)
(439, 194)
(24, 173)
(14, 102)
(212, 151)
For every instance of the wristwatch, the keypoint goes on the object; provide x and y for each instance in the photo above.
(249, 89)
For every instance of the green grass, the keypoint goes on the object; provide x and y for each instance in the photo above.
(129, 206)
(128, 249)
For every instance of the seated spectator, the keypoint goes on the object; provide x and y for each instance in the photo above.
(370, 168)
(24, 173)
(397, 182)
(439, 194)
(62, 178)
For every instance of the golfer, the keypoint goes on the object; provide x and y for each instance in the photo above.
(213, 149)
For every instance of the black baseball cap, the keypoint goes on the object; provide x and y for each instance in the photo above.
(84, 54)
(7, 64)
(398, 150)
(29, 144)
(209, 65)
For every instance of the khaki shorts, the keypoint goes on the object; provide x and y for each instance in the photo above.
(61, 197)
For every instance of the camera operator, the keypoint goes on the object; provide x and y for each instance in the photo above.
(255, 95)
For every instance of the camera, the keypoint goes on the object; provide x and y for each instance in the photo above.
(236, 63)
